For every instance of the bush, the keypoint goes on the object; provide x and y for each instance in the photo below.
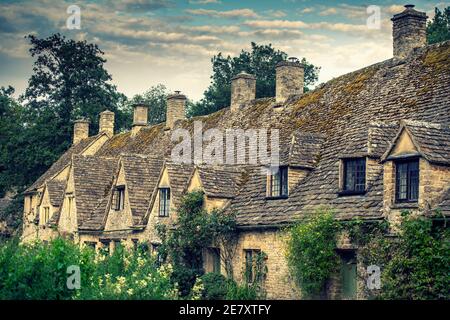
(415, 265)
(242, 292)
(215, 286)
(311, 252)
(38, 271)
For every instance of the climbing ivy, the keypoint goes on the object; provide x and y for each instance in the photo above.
(311, 254)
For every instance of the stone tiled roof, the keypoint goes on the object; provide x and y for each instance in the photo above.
(56, 191)
(343, 109)
(356, 114)
(221, 181)
(141, 175)
(179, 175)
(62, 162)
(93, 179)
(432, 140)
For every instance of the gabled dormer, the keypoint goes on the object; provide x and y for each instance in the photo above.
(219, 184)
(416, 166)
(299, 154)
(166, 197)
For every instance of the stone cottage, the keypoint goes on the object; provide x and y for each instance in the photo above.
(368, 144)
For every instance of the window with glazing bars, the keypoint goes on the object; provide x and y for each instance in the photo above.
(354, 175)
(164, 202)
(278, 183)
(407, 181)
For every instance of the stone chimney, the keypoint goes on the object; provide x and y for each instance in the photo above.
(140, 117)
(409, 31)
(107, 123)
(176, 104)
(243, 90)
(80, 130)
(290, 77)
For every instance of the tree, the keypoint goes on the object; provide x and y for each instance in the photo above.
(156, 99)
(69, 81)
(438, 29)
(11, 114)
(260, 61)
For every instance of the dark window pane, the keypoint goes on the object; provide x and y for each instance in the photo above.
(164, 202)
(279, 182)
(407, 181)
(355, 175)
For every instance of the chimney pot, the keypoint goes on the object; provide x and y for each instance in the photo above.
(243, 90)
(176, 105)
(409, 31)
(106, 123)
(290, 78)
(80, 130)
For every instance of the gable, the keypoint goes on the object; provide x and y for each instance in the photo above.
(68, 221)
(119, 220)
(404, 145)
(195, 182)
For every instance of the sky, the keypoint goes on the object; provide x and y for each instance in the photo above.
(147, 42)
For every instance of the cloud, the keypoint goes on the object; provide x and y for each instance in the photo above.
(204, 1)
(233, 14)
(142, 5)
(394, 9)
(276, 13)
(276, 24)
(307, 10)
(328, 12)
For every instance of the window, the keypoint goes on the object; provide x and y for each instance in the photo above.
(354, 179)
(46, 215)
(105, 246)
(164, 202)
(119, 198)
(155, 252)
(90, 244)
(213, 260)
(251, 256)
(69, 203)
(348, 275)
(407, 181)
(278, 183)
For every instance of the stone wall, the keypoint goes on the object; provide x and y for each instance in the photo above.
(278, 284)
(80, 130)
(107, 122)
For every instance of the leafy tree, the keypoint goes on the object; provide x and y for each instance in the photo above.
(11, 114)
(260, 61)
(69, 81)
(438, 29)
(156, 99)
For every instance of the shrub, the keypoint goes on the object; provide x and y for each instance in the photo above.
(38, 271)
(215, 286)
(311, 252)
(241, 291)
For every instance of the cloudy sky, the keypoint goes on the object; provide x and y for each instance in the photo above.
(147, 42)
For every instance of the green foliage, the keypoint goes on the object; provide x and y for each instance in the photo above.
(416, 264)
(244, 291)
(196, 230)
(311, 252)
(39, 271)
(156, 98)
(215, 286)
(438, 29)
(260, 61)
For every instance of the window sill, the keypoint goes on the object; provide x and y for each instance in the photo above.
(405, 205)
(344, 193)
(163, 216)
(277, 198)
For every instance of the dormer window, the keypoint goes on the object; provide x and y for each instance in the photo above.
(407, 180)
(354, 176)
(119, 198)
(278, 183)
(164, 202)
